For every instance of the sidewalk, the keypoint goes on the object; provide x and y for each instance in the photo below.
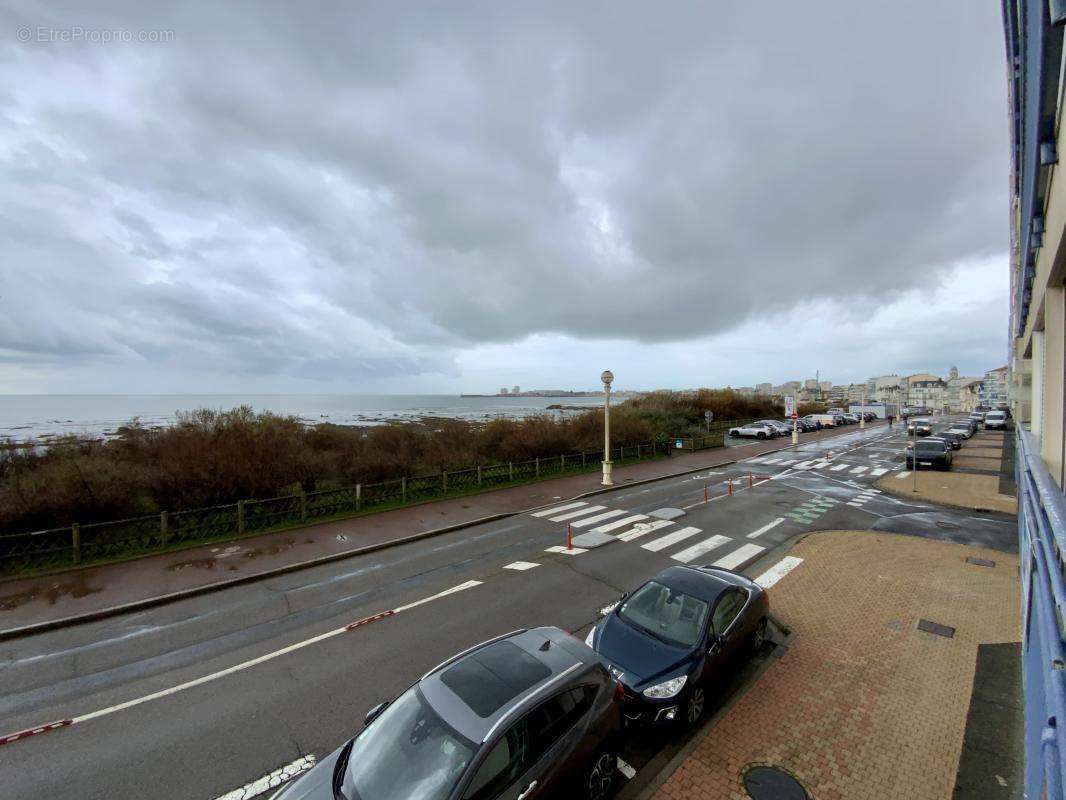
(95, 590)
(981, 478)
(863, 704)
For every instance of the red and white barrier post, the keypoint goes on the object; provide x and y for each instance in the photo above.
(569, 537)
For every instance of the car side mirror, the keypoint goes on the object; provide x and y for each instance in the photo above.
(375, 712)
(716, 642)
(623, 597)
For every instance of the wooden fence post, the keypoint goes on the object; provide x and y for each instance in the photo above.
(537, 467)
(582, 459)
(562, 463)
(403, 488)
(75, 541)
(478, 474)
(444, 482)
(240, 516)
(164, 527)
(510, 470)
(303, 505)
(358, 496)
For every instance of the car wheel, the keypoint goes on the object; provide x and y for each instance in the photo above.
(601, 776)
(761, 435)
(692, 709)
(758, 637)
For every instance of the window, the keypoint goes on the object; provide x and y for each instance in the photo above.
(729, 605)
(527, 740)
(409, 751)
(665, 614)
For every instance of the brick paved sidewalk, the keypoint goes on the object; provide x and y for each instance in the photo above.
(863, 704)
(87, 590)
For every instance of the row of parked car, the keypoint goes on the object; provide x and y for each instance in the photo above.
(540, 714)
(936, 452)
(772, 428)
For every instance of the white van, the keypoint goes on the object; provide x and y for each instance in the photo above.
(996, 420)
(827, 420)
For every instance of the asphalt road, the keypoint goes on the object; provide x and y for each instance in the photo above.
(139, 732)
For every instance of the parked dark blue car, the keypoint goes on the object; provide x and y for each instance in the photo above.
(679, 635)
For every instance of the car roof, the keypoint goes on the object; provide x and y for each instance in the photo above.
(694, 582)
(487, 685)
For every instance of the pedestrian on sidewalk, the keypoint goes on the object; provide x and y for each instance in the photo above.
(891, 419)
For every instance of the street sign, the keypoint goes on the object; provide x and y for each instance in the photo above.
(679, 444)
(709, 416)
(790, 406)
(795, 416)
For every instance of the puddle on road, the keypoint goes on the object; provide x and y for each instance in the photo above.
(50, 592)
(212, 561)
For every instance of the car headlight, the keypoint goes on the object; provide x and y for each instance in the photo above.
(666, 688)
(591, 636)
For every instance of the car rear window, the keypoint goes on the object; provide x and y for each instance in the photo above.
(494, 675)
(931, 447)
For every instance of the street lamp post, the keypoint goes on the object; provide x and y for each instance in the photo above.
(607, 377)
(862, 412)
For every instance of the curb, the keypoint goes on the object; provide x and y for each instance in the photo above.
(185, 594)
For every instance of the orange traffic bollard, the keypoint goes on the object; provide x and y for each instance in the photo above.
(706, 497)
(751, 480)
(730, 491)
(569, 538)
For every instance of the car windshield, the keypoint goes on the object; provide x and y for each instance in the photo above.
(930, 447)
(665, 613)
(408, 751)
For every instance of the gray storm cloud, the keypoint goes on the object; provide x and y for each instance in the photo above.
(306, 188)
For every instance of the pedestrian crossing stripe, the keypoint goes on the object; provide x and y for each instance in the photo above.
(577, 513)
(556, 509)
(739, 556)
(701, 548)
(619, 523)
(838, 467)
(606, 515)
(671, 538)
(642, 528)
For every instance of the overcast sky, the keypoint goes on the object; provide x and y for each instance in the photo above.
(422, 197)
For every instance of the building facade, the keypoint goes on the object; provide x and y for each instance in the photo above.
(1034, 380)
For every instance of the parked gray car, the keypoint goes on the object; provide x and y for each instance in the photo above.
(531, 715)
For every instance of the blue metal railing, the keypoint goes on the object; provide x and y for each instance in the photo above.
(1042, 540)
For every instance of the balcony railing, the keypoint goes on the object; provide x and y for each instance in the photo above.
(1042, 540)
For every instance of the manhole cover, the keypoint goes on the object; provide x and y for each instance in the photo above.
(770, 783)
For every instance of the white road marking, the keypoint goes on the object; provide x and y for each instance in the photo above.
(561, 548)
(598, 518)
(271, 781)
(859, 470)
(619, 523)
(804, 465)
(857, 505)
(778, 571)
(820, 464)
(838, 467)
(788, 463)
(626, 769)
(766, 527)
(579, 513)
(772, 461)
(670, 538)
(878, 471)
(549, 511)
(521, 566)
(903, 474)
(757, 460)
(697, 550)
(222, 673)
(642, 528)
(739, 556)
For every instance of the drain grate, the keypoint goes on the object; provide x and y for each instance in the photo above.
(771, 783)
(980, 562)
(936, 628)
